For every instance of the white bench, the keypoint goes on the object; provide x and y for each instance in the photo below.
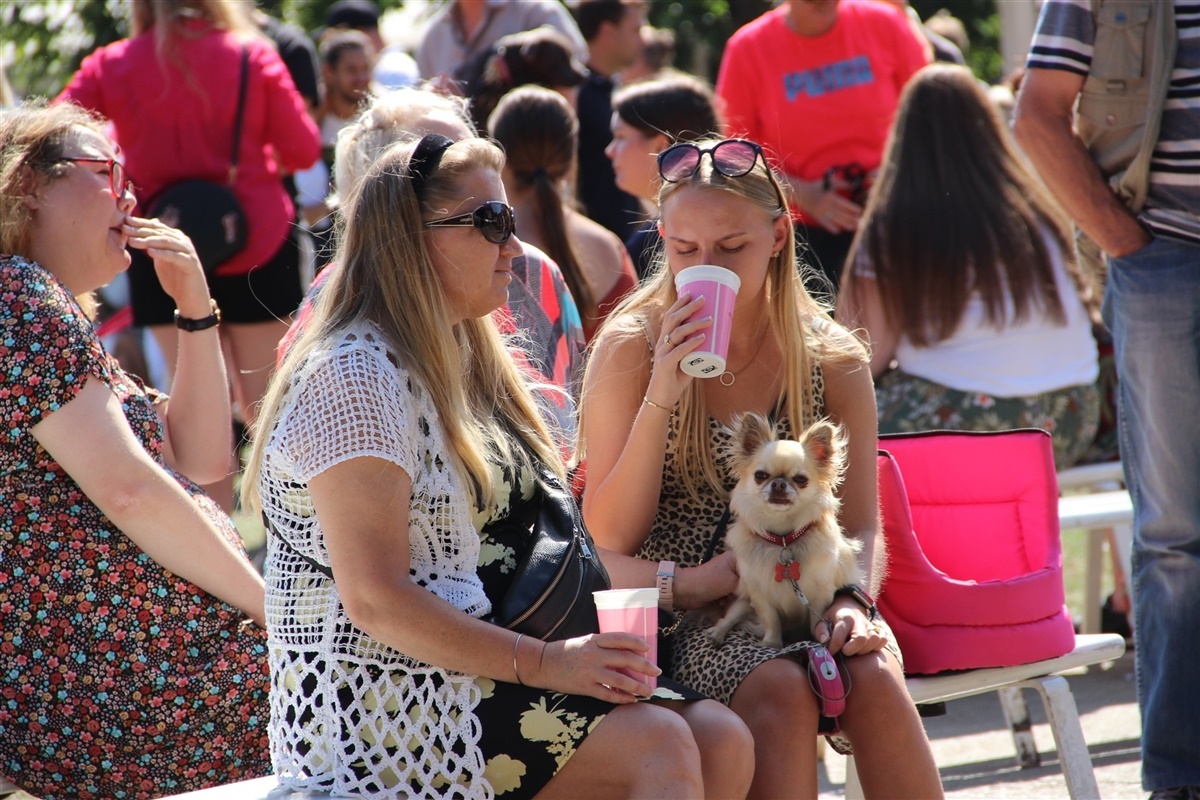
(1061, 713)
(1105, 475)
(1041, 676)
(257, 789)
(1098, 513)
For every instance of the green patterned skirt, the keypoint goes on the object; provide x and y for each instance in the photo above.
(908, 404)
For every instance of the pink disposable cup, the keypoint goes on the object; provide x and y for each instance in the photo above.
(631, 611)
(719, 287)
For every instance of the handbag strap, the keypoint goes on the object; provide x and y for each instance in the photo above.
(237, 119)
(311, 562)
(717, 535)
(723, 522)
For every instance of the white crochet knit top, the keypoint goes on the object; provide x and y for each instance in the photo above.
(349, 714)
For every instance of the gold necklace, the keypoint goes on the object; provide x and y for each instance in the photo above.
(733, 374)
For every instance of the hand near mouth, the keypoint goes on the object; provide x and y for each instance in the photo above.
(175, 262)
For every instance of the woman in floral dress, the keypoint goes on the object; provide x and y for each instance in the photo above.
(132, 666)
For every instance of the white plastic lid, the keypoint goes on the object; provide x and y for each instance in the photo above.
(626, 598)
(707, 272)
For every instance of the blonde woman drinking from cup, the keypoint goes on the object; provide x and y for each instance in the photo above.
(657, 443)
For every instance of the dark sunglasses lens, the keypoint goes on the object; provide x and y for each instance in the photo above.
(678, 162)
(495, 222)
(734, 159)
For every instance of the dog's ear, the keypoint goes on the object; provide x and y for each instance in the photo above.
(750, 432)
(826, 442)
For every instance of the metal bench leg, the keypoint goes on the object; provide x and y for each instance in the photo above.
(1068, 735)
(1016, 713)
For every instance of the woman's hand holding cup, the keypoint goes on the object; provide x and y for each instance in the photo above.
(592, 665)
(680, 335)
(175, 261)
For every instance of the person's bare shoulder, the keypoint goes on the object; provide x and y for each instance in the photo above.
(598, 247)
(622, 348)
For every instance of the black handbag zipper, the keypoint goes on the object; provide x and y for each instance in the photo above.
(562, 570)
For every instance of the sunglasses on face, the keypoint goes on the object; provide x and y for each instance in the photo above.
(495, 220)
(116, 174)
(733, 158)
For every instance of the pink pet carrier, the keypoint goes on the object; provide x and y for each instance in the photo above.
(974, 559)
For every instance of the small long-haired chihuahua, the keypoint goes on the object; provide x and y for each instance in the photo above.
(791, 553)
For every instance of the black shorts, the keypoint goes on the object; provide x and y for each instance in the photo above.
(269, 292)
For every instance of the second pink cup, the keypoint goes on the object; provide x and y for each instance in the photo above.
(631, 611)
(719, 287)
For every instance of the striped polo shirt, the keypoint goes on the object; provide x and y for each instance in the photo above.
(1065, 34)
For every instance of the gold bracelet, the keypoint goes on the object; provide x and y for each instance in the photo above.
(516, 645)
(650, 402)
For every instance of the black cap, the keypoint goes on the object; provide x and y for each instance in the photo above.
(353, 14)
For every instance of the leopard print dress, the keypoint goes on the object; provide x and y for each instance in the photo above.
(681, 533)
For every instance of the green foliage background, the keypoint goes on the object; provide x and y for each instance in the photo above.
(42, 42)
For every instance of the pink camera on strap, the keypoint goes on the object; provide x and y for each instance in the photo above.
(826, 681)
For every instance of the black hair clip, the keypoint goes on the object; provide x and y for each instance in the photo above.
(425, 160)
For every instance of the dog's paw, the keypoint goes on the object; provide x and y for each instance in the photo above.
(717, 635)
(775, 642)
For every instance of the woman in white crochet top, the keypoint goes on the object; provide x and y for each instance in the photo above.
(388, 443)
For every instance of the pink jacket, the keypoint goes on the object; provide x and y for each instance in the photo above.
(174, 124)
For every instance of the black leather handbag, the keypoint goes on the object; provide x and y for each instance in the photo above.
(550, 596)
(209, 212)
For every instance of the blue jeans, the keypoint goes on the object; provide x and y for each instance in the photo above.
(1152, 307)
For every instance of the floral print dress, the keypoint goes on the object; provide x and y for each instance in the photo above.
(120, 679)
(528, 734)
(519, 718)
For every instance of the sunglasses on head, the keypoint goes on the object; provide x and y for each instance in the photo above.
(733, 158)
(495, 220)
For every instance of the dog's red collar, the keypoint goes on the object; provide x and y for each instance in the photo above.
(783, 540)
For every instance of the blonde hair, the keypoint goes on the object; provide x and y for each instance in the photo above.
(798, 321)
(34, 136)
(386, 276)
(164, 16)
(389, 118)
(167, 18)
